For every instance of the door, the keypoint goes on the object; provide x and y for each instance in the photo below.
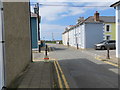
(1, 50)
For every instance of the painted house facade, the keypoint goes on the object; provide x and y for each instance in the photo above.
(83, 34)
(109, 27)
(117, 7)
(34, 31)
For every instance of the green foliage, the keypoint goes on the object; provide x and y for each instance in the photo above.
(54, 42)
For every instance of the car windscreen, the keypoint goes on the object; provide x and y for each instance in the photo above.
(102, 42)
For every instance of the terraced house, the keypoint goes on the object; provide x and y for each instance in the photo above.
(34, 30)
(90, 31)
(109, 27)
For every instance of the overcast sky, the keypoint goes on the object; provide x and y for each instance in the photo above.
(56, 18)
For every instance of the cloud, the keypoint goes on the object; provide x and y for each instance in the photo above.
(74, 0)
(52, 28)
(50, 13)
(48, 29)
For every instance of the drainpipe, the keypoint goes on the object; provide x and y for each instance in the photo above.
(2, 42)
(76, 38)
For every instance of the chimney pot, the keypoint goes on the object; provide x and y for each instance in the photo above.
(96, 16)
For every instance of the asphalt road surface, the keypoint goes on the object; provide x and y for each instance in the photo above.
(84, 71)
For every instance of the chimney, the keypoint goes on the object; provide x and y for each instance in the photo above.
(80, 19)
(96, 16)
(35, 9)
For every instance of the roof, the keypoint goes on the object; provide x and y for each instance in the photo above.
(115, 4)
(105, 19)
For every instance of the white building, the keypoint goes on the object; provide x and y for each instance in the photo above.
(117, 7)
(85, 34)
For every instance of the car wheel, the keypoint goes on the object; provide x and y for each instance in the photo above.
(103, 48)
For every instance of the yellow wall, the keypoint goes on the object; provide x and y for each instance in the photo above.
(113, 31)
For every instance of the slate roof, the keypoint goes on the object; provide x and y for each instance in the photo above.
(105, 19)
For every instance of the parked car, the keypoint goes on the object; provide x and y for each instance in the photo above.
(104, 44)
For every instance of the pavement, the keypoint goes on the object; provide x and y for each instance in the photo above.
(102, 55)
(39, 74)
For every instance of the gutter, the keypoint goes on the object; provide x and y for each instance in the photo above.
(2, 42)
(115, 4)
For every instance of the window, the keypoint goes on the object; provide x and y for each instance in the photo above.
(108, 37)
(112, 41)
(108, 28)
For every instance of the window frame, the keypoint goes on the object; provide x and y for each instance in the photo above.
(109, 36)
(110, 28)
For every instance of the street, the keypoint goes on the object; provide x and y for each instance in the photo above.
(82, 70)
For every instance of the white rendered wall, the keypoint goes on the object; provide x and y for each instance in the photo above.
(93, 34)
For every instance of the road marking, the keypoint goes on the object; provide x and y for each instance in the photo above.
(63, 76)
(98, 58)
(59, 79)
(57, 66)
(111, 63)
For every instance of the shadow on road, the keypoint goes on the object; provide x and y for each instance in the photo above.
(88, 74)
(59, 48)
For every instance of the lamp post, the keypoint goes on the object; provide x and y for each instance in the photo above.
(36, 11)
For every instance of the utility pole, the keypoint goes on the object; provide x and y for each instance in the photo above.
(52, 37)
(36, 10)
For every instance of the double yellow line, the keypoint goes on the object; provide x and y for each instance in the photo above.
(61, 77)
(116, 65)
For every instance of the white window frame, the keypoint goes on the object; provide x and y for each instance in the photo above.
(110, 30)
(108, 35)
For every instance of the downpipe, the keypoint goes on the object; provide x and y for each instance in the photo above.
(2, 42)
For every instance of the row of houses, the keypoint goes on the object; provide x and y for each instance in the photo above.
(90, 31)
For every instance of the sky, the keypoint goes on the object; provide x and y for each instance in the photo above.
(58, 14)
